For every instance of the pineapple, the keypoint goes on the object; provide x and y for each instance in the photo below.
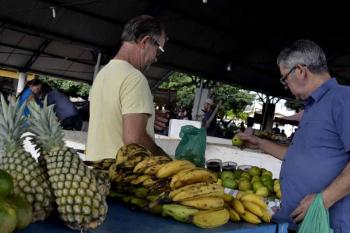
(80, 194)
(29, 179)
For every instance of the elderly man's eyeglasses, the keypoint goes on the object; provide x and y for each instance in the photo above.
(160, 49)
(284, 77)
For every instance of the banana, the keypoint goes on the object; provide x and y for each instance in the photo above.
(149, 182)
(228, 197)
(182, 189)
(252, 207)
(143, 204)
(255, 199)
(266, 216)
(250, 217)
(152, 170)
(102, 164)
(234, 216)
(128, 151)
(238, 206)
(175, 178)
(173, 167)
(211, 219)
(239, 195)
(130, 163)
(179, 212)
(140, 192)
(210, 190)
(129, 178)
(205, 203)
(147, 162)
(195, 176)
(140, 179)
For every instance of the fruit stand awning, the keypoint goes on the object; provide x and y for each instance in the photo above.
(64, 38)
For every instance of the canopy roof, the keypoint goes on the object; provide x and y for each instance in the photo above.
(63, 37)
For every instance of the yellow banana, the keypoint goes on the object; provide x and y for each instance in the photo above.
(255, 199)
(175, 178)
(266, 216)
(195, 176)
(228, 197)
(210, 190)
(103, 164)
(238, 206)
(234, 216)
(173, 167)
(239, 195)
(140, 179)
(250, 217)
(147, 162)
(149, 182)
(152, 170)
(205, 203)
(252, 207)
(211, 219)
(182, 189)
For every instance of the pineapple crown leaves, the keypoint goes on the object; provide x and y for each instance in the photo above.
(45, 126)
(12, 125)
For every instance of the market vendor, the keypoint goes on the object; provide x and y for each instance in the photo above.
(317, 160)
(121, 102)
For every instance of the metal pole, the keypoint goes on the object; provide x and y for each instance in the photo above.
(97, 66)
(22, 78)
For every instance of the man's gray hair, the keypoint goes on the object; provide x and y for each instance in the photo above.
(303, 52)
(141, 26)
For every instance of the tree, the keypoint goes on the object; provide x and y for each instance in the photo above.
(233, 99)
(185, 89)
(68, 87)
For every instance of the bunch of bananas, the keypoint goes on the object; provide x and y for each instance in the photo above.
(160, 185)
(248, 207)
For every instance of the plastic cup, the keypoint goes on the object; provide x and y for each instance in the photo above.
(214, 165)
(229, 166)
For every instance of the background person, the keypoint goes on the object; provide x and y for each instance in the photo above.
(65, 110)
(31, 92)
(317, 161)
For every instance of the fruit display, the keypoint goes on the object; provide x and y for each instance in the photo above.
(30, 180)
(170, 188)
(80, 194)
(15, 211)
(255, 180)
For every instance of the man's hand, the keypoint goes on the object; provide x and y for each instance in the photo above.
(250, 141)
(161, 119)
(299, 213)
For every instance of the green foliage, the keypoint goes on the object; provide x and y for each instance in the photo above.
(233, 99)
(185, 89)
(70, 88)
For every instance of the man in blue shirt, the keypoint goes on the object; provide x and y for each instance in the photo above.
(318, 158)
(66, 112)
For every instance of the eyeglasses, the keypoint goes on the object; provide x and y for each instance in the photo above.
(284, 77)
(160, 49)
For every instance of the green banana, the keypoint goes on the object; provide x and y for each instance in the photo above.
(179, 212)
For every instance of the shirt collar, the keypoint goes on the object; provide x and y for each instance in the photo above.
(322, 90)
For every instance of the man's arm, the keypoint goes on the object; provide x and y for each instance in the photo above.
(134, 131)
(274, 149)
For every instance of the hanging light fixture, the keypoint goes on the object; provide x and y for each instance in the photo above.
(228, 67)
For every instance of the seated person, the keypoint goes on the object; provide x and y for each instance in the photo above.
(66, 112)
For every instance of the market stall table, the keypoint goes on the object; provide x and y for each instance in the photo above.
(120, 218)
